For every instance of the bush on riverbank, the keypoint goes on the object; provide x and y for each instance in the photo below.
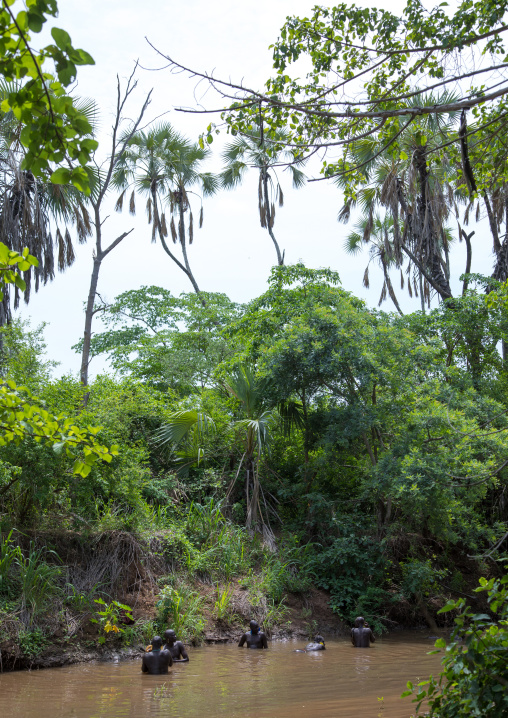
(474, 680)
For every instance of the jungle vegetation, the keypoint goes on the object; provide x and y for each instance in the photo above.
(302, 439)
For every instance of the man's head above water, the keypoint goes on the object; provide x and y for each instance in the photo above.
(359, 621)
(169, 636)
(156, 643)
(254, 627)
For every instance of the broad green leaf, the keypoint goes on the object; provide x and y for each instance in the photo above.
(61, 176)
(61, 37)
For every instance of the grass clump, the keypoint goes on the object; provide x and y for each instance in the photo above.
(182, 609)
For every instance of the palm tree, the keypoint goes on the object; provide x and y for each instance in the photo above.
(418, 189)
(255, 429)
(187, 432)
(259, 414)
(377, 233)
(264, 151)
(36, 213)
(163, 166)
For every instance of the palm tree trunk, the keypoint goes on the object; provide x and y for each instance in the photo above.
(422, 296)
(181, 231)
(492, 224)
(269, 219)
(252, 496)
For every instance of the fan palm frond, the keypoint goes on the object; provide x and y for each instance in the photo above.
(181, 423)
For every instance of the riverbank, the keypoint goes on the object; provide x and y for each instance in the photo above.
(91, 596)
(304, 616)
(81, 596)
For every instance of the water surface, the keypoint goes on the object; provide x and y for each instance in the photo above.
(341, 682)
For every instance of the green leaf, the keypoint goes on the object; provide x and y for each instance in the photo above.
(57, 448)
(84, 58)
(62, 38)
(450, 606)
(35, 21)
(61, 176)
(79, 178)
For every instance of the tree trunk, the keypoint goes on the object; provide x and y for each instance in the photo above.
(427, 614)
(252, 496)
(492, 224)
(270, 220)
(422, 296)
(188, 271)
(421, 231)
(469, 255)
(181, 232)
(87, 336)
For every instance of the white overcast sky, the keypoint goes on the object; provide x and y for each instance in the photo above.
(231, 253)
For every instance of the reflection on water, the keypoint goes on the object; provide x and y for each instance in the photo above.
(341, 682)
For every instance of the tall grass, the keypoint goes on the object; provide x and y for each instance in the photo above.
(39, 583)
(182, 610)
(9, 554)
(222, 606)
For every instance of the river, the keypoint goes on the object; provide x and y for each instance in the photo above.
(226, 681)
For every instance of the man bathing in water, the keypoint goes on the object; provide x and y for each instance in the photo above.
(317, 645)
(361, 635)
(176, 648)
(255, 638)
(156, 661)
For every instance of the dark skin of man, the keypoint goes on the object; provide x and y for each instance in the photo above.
(176, 648)
(157, 661)
(255, 638)
(362, 636)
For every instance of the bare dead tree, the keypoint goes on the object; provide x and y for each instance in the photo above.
(103, 180)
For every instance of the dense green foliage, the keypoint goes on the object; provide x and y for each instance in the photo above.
(475, 675)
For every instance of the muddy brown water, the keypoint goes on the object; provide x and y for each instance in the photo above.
(341, 682)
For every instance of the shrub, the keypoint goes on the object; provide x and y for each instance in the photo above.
(109, 618)
(474, 680)
(33, 642)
